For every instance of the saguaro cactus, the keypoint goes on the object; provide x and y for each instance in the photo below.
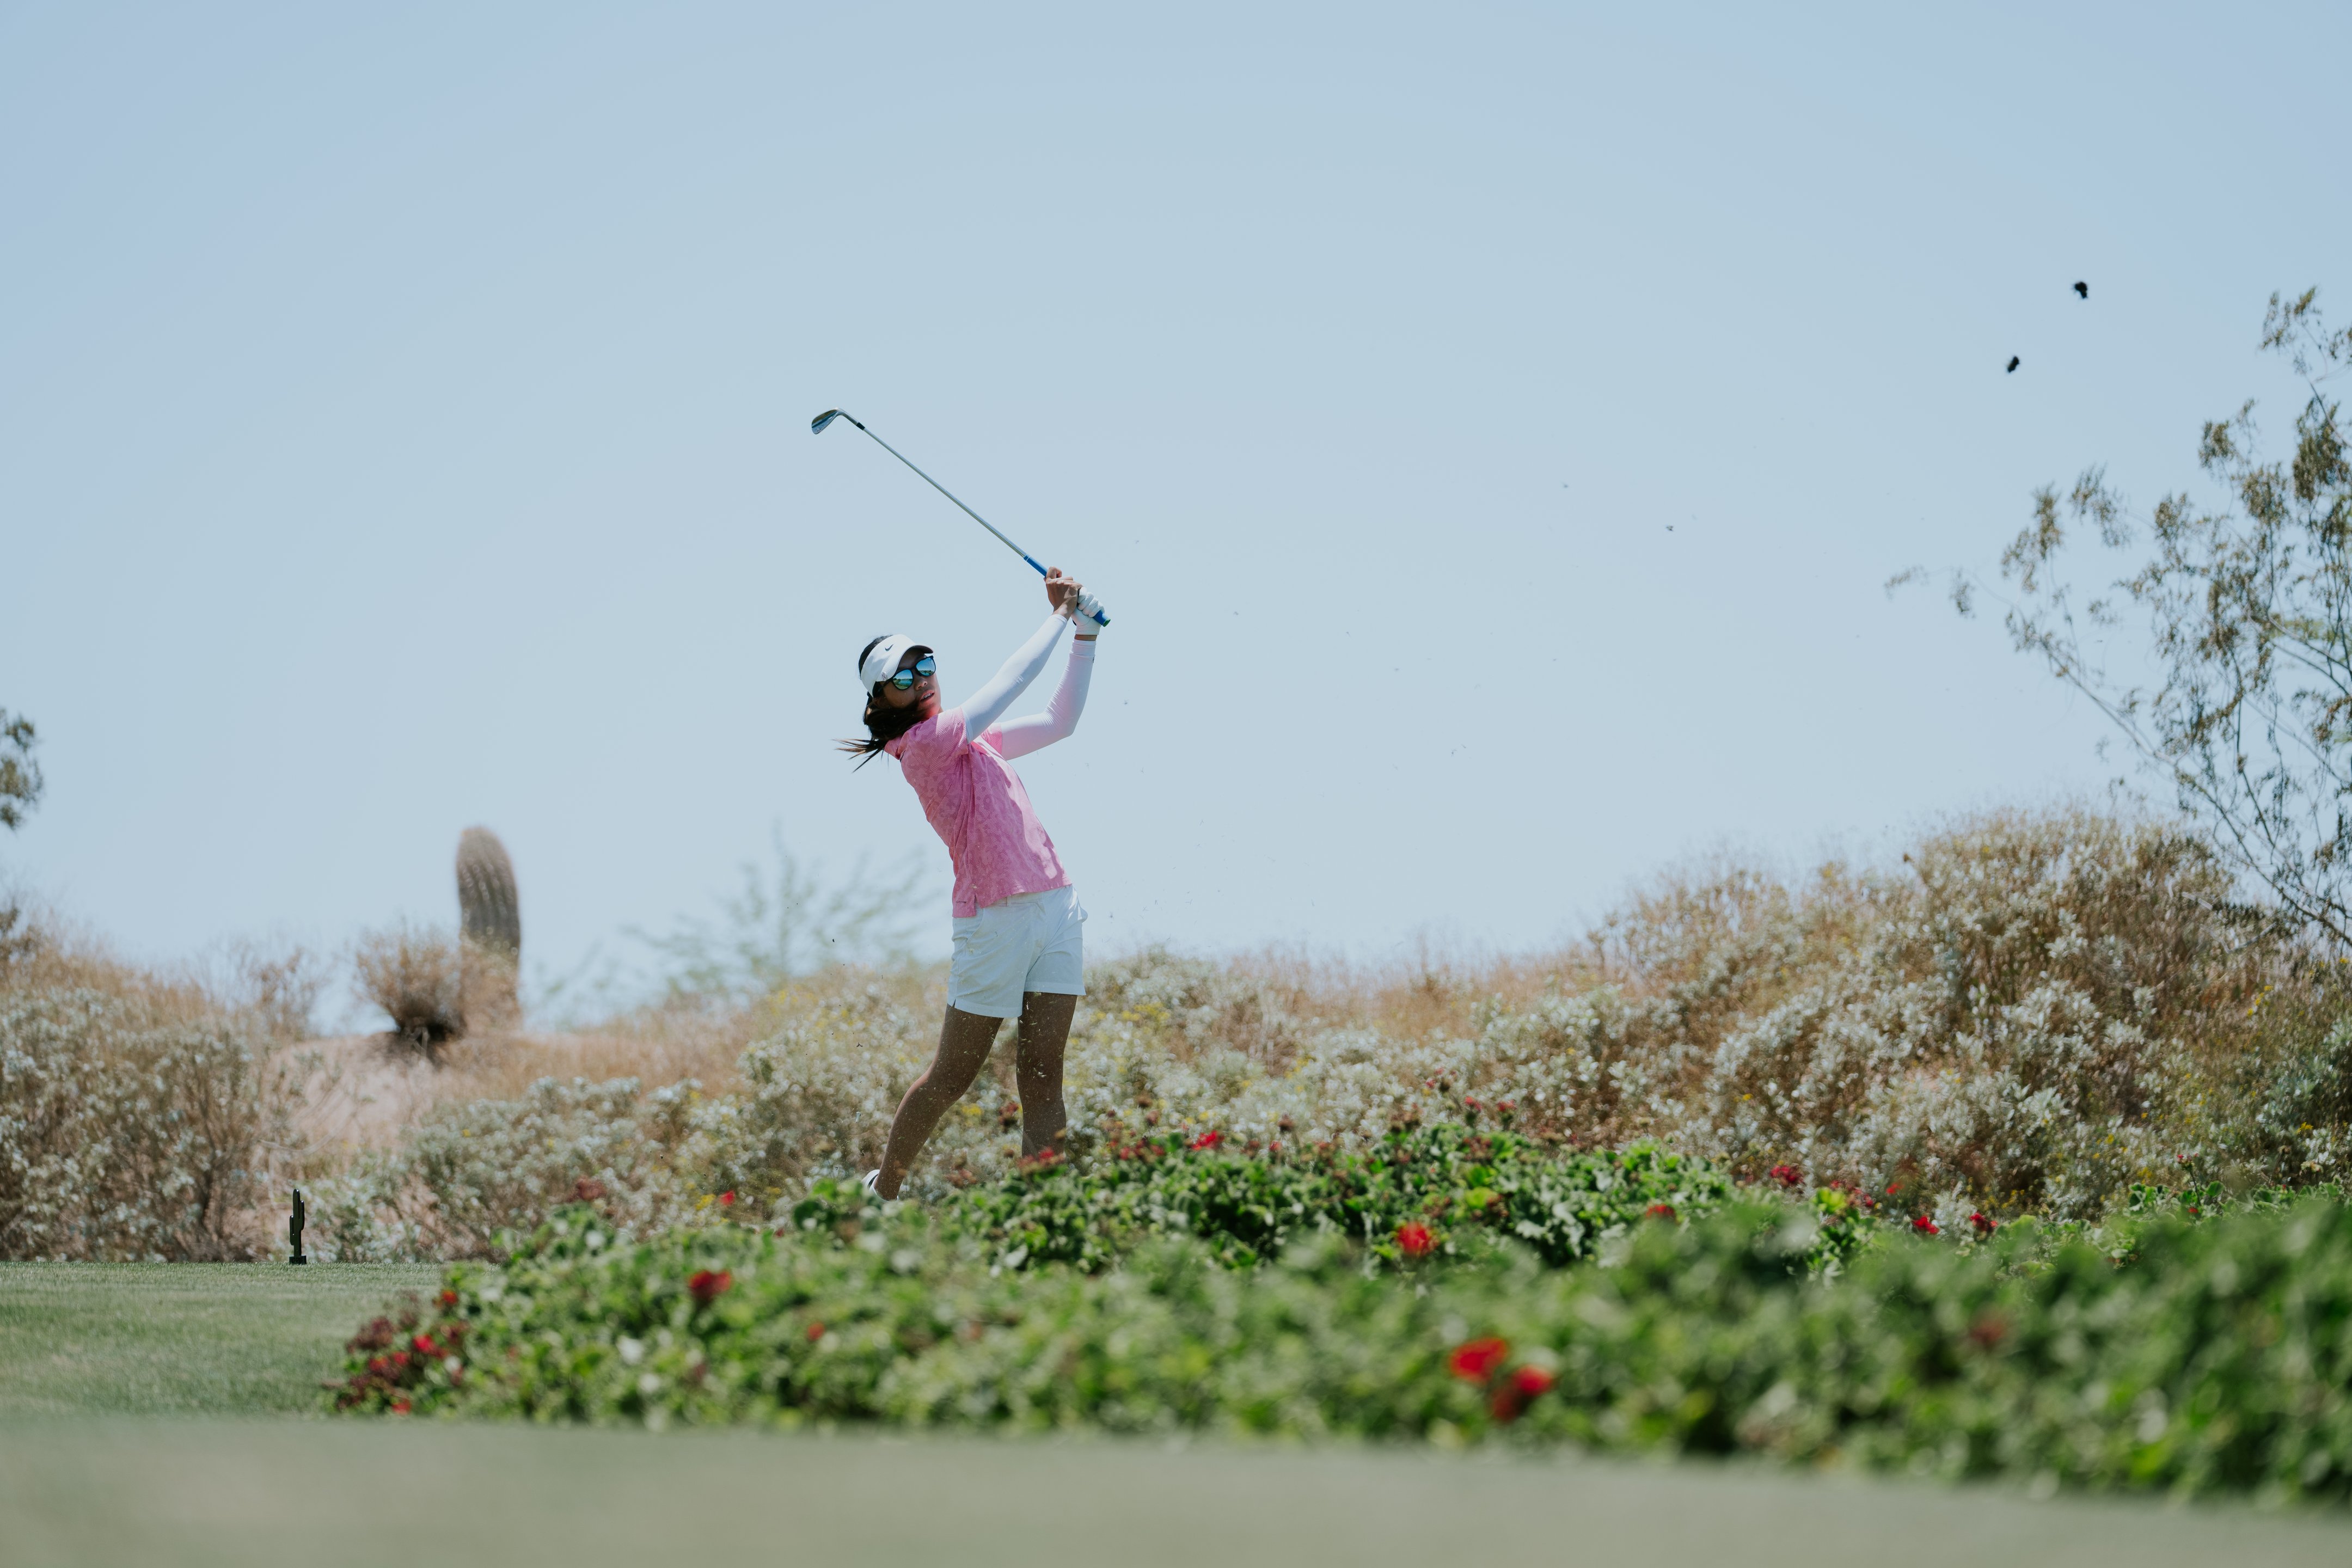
(490, 928)
(489, 914)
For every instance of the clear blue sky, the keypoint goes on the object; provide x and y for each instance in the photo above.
(404, 424)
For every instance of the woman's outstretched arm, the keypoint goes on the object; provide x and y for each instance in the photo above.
(1018, 737)
(987, 705)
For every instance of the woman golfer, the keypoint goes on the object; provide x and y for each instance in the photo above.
(1017, 916)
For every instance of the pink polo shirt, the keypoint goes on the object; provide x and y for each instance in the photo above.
(976, 804)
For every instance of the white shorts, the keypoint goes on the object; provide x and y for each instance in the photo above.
(1027, 942)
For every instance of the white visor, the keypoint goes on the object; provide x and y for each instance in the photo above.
(882, 663)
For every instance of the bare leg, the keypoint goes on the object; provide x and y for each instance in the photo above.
(964, 1043)
(1044, 1031)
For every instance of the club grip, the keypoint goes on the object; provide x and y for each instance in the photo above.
(1100, 619)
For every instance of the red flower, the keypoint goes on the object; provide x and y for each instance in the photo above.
(1983, 1224)
(1789, 1176)
(727, 1200)
(448, 1298)
(400, 1407)
(425, 1347)
(1476, 1362)
(1531, 1380)
(1926, 1226)
(815, 1333)
(1890, 1189)
(707, 1286)
(1414, 1238)
(1662, 1211)
(399, 1359)
(1208, 1140)
(587, 1190)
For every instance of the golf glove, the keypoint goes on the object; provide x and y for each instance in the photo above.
(1089, 609)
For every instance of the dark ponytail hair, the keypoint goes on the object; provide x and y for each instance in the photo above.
(884, 723)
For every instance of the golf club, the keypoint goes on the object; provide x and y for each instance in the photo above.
(816, 427)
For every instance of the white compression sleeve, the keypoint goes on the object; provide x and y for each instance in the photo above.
(987, 705)
(1036, 730)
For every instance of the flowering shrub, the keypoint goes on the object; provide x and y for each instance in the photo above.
(1419, 1192)
(127, 1132)
(474, 1169)
(1476, 1360)
(2212, 1360)
(2208, 1200)
(2030, 1013)
(415, 1352)
(819, 1092)
(1508, 1393)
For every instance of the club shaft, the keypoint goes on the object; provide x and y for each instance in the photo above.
(1100, 618)
(952, 496)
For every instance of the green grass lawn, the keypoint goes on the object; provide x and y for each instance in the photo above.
(216, 1338)
(136, 1427)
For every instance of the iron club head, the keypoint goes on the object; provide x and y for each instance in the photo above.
(817, 425)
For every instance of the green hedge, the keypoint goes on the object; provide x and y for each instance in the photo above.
(2217, 1358)
(1420, 1192)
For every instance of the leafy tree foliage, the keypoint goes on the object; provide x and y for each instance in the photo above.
(20, 776)
(2248, 610)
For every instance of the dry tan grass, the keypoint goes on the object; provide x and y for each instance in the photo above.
(1432, 990)
(659, 1044)
(268, 991)
(366, 1091)
(656, 1047)
(67, 959)
(362, 1091)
